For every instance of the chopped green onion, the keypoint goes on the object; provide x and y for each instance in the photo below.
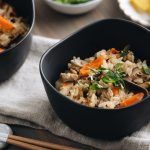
(146, 68)
(125, 51)
(116, 78)
(107, 79)
(118, 67)
(96, 86)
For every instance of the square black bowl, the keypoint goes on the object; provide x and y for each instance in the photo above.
(96, 122)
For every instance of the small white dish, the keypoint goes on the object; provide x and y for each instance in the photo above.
(73, 9)
(128, 9)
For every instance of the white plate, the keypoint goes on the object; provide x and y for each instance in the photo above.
(128, 9)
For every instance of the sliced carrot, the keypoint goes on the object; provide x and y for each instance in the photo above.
(115, 91)
(5, 25)
(66, 83)
(95, 64)
(132, 100)
(1, 50)
(113, 51)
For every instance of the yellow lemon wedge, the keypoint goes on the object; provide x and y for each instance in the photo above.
(143, 5)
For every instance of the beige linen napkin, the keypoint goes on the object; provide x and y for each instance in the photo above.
(23, 101)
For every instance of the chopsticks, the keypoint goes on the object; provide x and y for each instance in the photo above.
(32, 144)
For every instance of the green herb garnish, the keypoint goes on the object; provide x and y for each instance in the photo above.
(147, 71)
(101, 70)
(125, 51)
(107, 79)
(96, 86)
(98, 71)
(146, 68)
(118, 67)
(116, 78)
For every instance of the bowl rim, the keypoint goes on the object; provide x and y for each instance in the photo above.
(73, 34)
(25, 36)
(73, 5)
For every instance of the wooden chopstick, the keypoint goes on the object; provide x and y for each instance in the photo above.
(13, 139)
(26, 145)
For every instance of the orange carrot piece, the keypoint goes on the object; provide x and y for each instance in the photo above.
(1, 50)
(95, 64)
(5, 25)
(115, 91)
(65, 83)
(132, 100)
(113, 51)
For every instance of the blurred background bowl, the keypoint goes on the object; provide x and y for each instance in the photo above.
(73, 9)
(12, 58)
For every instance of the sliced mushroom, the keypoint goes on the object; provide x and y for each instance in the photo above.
(146, 77)
(136, 72)
(130, 57)
(138, 80)
(68, 77)
(78, 62)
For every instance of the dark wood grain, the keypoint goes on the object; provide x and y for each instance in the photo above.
(52, 24)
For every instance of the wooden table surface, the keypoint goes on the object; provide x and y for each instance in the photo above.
(52, 24)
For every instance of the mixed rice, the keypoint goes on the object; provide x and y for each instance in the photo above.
(98, 81)
(11, 26)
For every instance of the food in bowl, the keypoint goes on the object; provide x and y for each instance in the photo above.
(91, 121)
(141, 5)
(71, 1)
(11, 26)
(98, 81)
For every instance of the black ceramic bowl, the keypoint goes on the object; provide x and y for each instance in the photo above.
(96, 122)
(12, 58)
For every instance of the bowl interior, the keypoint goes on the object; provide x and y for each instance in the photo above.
(100, 35)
